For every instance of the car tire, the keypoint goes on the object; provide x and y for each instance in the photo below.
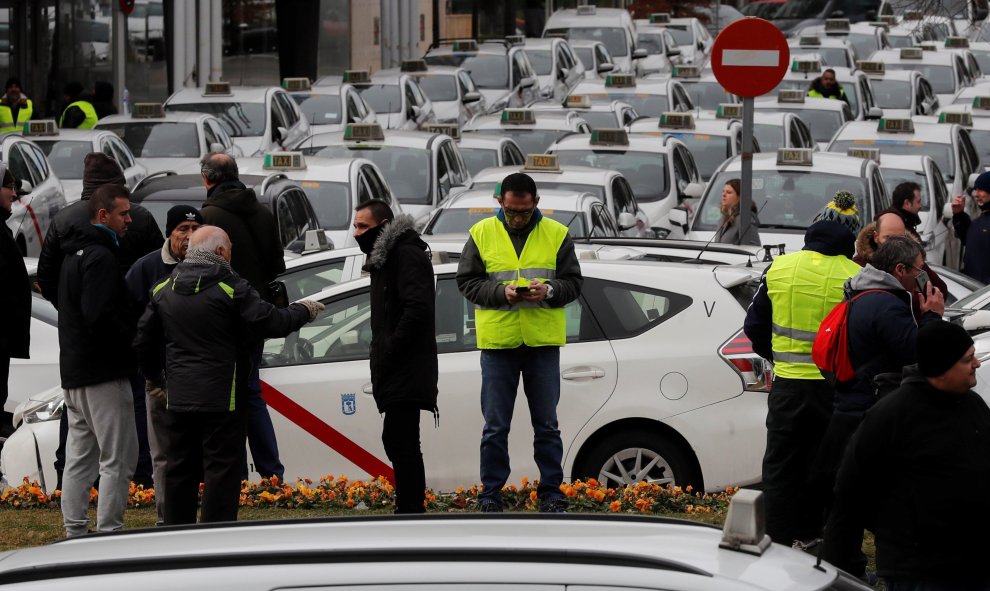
(638, 455)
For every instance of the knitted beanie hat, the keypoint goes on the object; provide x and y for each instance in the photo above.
(842, 209)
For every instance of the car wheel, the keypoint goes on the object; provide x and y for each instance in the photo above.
(627, 458)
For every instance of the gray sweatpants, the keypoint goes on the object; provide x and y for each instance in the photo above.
(102, 441)
(156, 418)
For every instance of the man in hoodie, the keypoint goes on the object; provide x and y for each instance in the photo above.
(934, 423)
(206, 318)
(15, 297)
(403, 345)
(519, 269)
(975, 234)
(180, 222)
(797, 291)
(257, 257)
(826, 86)
(95, 330)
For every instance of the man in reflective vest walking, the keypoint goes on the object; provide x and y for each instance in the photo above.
(519, 269)
(79, 113)
(15, 107)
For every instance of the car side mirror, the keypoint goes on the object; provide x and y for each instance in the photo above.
(674, 51)
(316, 240)
(679, 217)
(527, 82)
(280, 134)
(471, 97)
(626, 221)
(639, 54)
(547, 93)
(693, 190)
(874, 113)
(562, 73)
(602, 68)
(24, 188)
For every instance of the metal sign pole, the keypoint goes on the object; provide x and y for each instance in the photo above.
(746, 198)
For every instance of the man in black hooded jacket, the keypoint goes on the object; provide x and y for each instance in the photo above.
(15, 298)
(403, 345)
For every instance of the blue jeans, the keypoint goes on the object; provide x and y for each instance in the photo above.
(261, 432)
(500, 371)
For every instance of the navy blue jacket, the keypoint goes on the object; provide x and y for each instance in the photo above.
(148, 271)
(975, 236)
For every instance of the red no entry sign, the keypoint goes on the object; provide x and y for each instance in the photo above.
(750, 57)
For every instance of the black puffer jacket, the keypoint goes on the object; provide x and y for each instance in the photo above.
(95, 317)
(403, 299)
(143, 236)
(205, 317)
(257, 250)
(15, 296)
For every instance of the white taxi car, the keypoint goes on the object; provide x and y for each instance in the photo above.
(422, 169)
(594, 56)
(900, 93)
(781, 130)
(661, 49)
(648, 97)
(946, 71)
(596, 115)
(329, 107)
(969, 96)
(612, 26)
(854, 82)
(335, 186)
(864, 37)
(395, 96)
(455, 97)
(974, 119)
(173, 141)
(534, 130)
(835, 52)
(501, 71)
(66, 150)
(705, 91)
(692, 38)
(790, 187)
(479, 151)
(824, 116)
(39, 191)
(710, 140)
(556, 66)
(259, 119)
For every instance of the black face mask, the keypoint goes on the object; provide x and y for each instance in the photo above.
(366, 241)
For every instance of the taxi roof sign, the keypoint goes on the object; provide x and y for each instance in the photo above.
(962, 118)
(609, 137)
(728, 111)
(451, 129)
(911, 53)
(794, 156)
(464, 45)
(810, 40)
(515, 39)
(895, 126)
(687, 72)
(413, 66)
(578, 101)
(659, 18)
(357, 76)
(217, 89)
(284, 161)
(790, 95)
(805, 66)
(881, 24)
(586, 9)
(620, 81)
(912, 15)
(981, 102)
(364, 132)
(865, 153)
(296, 84)
(957, 42)
(888, 19)
(147, 110)
(928, 46)
(40, 127)
(836, 25)
(518, 117)
(871, 67)
(559, 33)
(677, 120)
(542, 163)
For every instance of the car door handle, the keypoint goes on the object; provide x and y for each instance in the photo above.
(583, 373)
(366, 388)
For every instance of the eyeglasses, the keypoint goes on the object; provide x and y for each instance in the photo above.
(518, 213)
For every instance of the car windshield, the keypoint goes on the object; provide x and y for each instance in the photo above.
(983, 59)
(892, 94)
(600, 119)
(823, 123)
(558, 185)
(478, 159)
(487, 71)
(531, 141)
(863, 44)
(383, 98)
(149, 139)
(709, 151)
(66, 157)
(981, 140)
(332, 202)
(682, 34)
(542, 61)
(647, 105)
(407, 170)
(940, 153)
(940, 77)
(770, 137)
(900, 41)
(585, 55)
(614, 38)
(439, 88)
(707, 95)
(784, 199)
(459, 220)
(645, 171)
(835, 57)
(895, 176)
(239, 119)
(319, 109)
(651, 42)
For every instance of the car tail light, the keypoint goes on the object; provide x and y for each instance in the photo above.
(756, 372)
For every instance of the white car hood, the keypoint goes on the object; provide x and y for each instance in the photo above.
(250, 145)
(447, 110)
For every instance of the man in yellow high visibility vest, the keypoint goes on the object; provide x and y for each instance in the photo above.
(827, 86)
(796, 293)
(79, 113)
(519, 269)
(15, 107)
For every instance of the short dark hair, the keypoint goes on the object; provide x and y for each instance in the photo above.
(103, 198)
(379, 210)
(12, 81)
(896, 250)
(518, 182)
(904, 192)
(218, 168)
(829, 71)
(73, 89)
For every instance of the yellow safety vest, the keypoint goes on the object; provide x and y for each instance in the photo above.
(535, 324)
(803, 288)
(814, 93)
(87, 109)
(7, 122)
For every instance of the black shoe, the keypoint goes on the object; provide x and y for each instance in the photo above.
(490, 506)
(553, 506)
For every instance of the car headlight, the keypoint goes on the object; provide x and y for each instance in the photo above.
(47, 407)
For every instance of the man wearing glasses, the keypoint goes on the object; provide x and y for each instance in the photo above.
(826, 86)
(519, 269)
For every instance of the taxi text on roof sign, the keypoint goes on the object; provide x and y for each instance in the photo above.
(957, 42)
(542, 163)
(794, 156)
(357, 76)
(790, 95)
(660, 18)
(147, 110)
(451, 129)
(519, 116)
(810, 40)
(728, 111)
(586, 9)
(620, 81)
(865, 153)
(296, 84)
(836, 25)
(677, 120)
(413, 66)
(912, 15)
(364, 131)
(964, 119)
(981, 102)
(284, 161)
(515, 39)
(577, 101)
(805, 66)
(928, 46)
(911, 53)
(609, 137)
(463, 45)
(687, 72)
(871, 67)
(41, 127)
(896, 126)
(217, 89)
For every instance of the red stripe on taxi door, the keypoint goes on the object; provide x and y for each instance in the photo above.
(333, 438)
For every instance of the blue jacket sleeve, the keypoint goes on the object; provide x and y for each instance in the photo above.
(759, 317)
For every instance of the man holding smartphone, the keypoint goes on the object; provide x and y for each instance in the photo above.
(519, 269)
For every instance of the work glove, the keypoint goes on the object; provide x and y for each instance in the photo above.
(313, 307)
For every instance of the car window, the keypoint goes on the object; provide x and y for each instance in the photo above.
(319, 109)
(377, 186)
(511, 155)
(411, 100)
(37, 162)
(288, 108)
(467, 83)
(517, 69)
(444, 177)
(18, 163)
(288, 225)
(210, 137)
(158, 140)
(364, 191)
(602, 222)
(969, 152)
(221, 133)
(303, 282)
(623, 201)
(625, 311)
(341, 332)
(356, 111)
(126, 158)
(941, 197)
(66, 157)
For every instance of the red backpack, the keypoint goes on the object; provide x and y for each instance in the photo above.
(831, 349)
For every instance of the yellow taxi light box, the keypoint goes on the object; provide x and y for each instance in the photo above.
(687, 72)
(451, 129)
(865, 153)
(896, 126)
(413, 66)
(794, 156)
(911, 53)
(964, 119)
(284, 161)
(981, 102)
(620, 81)
(728, 111)
(660, 18)
(957, 42)
(806, 66)
(790, 95)
(147, 110)
(912, 15)
(836, 25)
(810, 40)
(871, 67)
(609, 137)
(542, 163)
(357, 76)
(586, 9)
(40, 127)
(217, 89)
(519, 116)
(464, 45)
(515, 40)
(677, 120)
(578, 101)
(296, 84)
(364, 131)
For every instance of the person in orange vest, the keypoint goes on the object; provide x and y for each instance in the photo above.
(15, 107)
(79, 113)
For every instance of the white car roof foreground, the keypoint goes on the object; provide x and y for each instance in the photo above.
(317, 168)
(170, 117)
(810, 103)
(577, 175)
(238, 94)
(898, 162)
(72, 135)
(893, 56)
(481, 141)
(546, 120)
(657, 86)
(940, 133)
(603, 17)
(706, 125)
(642, 141)
(400, 139)
(823, 162)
